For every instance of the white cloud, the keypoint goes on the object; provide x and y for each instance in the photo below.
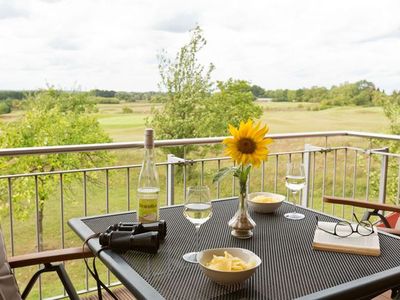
(272, 43)
(9, 10)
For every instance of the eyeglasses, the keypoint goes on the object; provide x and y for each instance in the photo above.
(345, 229)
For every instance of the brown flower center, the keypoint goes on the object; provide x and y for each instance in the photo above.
(246, 145)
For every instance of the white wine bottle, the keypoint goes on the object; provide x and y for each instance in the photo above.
(148, 187)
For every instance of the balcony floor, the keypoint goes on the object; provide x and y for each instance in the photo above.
(384, 296)
(122, 294)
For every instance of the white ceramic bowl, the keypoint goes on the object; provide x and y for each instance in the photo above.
(226, 277)
(265, 208)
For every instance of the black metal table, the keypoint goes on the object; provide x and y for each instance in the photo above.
(290, 267)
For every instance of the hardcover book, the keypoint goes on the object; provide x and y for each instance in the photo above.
(355, 243)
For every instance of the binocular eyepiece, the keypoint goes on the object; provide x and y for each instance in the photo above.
(134, 236)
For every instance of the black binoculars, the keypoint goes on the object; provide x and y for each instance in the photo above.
(134, 236)
(125, 240)
(137, 227)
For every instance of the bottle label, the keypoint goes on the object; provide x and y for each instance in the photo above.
(148, 210)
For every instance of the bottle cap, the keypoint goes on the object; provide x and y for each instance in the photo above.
(149, 138)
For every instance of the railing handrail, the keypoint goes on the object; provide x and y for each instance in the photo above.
(182, 142)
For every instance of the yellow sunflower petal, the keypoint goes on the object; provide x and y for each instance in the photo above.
(248, 144)
(233, 130)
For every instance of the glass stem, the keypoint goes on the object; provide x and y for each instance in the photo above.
(294, 201)
(197, 238)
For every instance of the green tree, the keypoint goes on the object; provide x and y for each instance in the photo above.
(257, 91)
(391, 108)
(103, 93)
(191, 109)
(186, 83)
(292, 96)
(4, 108)
(230, 104)
(52, 118)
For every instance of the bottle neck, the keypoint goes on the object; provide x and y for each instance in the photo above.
(148, 176)
(149, 155)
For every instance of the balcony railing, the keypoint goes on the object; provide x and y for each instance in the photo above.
(342, 163)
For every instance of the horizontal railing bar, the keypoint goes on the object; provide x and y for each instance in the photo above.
(181, 142)
(74, 171)
(385, 153)
(166, 163)
(371, 135)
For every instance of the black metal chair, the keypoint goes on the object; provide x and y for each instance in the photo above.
(47, 259)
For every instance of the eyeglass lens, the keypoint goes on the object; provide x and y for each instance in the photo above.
(365, 228)
(343, 229)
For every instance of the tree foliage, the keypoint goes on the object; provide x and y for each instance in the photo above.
(391, 108)
(186, 83)
(52, 118)
(4, 95)
(138, 96)
(257, 91)
(191, 107)
(358, 93)
(4, 108)
(230, 104)
(103, 93)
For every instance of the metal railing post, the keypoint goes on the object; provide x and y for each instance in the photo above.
(307, 167)
(308, 149)
(171, 160)
(383, 176)
(170, 180)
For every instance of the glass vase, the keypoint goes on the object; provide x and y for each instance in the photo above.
(242, 224)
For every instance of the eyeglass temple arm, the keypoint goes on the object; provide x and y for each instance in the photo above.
(375, 212)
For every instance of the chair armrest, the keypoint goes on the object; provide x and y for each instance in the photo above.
(48, 257)
(361, 203)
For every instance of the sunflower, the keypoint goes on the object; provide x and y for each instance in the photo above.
(248, 145)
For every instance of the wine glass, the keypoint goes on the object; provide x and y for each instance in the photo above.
(295, 182)
(197, 210)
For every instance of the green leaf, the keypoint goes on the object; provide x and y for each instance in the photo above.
(245, 173)
(224, 172)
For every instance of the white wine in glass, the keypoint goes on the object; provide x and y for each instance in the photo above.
(197, 213)
(197, 210)
(295, 182)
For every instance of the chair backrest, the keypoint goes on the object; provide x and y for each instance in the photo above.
(397, 226)
(8, 285)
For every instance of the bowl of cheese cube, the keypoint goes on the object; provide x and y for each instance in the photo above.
(263, 202)
(228, 265)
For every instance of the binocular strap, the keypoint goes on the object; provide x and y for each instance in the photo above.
(94, 272)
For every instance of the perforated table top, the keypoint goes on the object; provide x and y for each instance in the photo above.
(290, 267)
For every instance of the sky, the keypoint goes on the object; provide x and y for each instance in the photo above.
(113, 44)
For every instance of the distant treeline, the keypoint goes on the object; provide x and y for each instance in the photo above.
(11, 100)
(362, 92)
(125, 96)
(13, 95)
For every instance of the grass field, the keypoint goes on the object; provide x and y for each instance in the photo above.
(281, 118)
